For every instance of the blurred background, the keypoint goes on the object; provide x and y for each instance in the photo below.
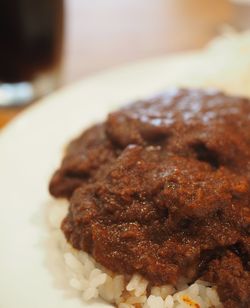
(47, 44)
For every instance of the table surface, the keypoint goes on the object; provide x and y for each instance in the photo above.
(100, 34)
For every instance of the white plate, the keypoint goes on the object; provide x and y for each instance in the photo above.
(31, 148)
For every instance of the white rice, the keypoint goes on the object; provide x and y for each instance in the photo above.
(91, 280)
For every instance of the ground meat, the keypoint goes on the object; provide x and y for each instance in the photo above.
(86, 160)
(229, 274)
(162, 188)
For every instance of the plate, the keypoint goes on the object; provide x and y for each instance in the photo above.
(31, 148)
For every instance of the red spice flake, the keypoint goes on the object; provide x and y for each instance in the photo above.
(190, 302)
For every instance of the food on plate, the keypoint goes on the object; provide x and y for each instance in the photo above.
(161, 189)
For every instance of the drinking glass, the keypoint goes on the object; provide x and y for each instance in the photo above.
(31, 34)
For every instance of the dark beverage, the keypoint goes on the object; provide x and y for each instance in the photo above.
(30, 38)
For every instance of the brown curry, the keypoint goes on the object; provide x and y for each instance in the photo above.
(162, 188)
